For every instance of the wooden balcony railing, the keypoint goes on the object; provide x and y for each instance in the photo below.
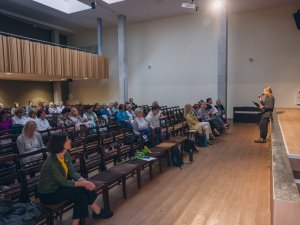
(21, 59)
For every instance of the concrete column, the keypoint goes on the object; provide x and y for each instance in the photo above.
(222, 56)
(57, 96)
(57, 91)
(123, 65)
(55, 36)
(99, 36)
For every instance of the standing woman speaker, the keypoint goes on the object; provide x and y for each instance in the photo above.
(266, 106)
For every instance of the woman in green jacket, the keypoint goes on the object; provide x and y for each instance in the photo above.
(60, 182)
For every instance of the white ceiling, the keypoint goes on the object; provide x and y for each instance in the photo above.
(135, 10)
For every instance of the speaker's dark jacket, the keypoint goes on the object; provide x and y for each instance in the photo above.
(268, 104)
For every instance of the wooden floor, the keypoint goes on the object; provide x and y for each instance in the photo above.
(227, 184)
(289, 120)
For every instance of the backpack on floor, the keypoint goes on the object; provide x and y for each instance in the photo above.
(190, 145)
(201, 140)
(190, 148)
(176, 157)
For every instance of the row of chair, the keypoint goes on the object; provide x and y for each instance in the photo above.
(102, 155)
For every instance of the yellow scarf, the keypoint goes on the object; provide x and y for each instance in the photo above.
(64, 165)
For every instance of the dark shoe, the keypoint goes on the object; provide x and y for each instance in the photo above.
(260, 140)
(104, 214)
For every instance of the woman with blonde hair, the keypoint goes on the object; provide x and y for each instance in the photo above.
(266, 106)
(77, 119)
(194, 124)
(29, 141)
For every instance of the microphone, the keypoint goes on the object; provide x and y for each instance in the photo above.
(261, 95)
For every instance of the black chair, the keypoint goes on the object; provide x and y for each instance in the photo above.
(14, 191)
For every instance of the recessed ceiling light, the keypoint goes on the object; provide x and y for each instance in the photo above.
(66, 6)
(112, 1)
(217, 4)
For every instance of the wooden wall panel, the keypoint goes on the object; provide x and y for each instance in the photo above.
(37, 58)
(57, 61)
(6, 53)
(13, 55)
(48, 62)
(25, 57)
(1, 55)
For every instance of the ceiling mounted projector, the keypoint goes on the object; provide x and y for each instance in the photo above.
(191, 5)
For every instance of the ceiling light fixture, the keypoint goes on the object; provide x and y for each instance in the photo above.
(191, 5)
(112, 1)
(66, 6)
(217, 4)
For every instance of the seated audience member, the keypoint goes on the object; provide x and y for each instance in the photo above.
(32, 115)
(153, 118)
(90, 117)
(78, 120)
(60, 107)
(160, 114)
(64, 119)
(42, 123)
(104, 113)
(1, 106)
(115, 108)
(4, 192)
(52, 108)
(130, 113)
(194, 124)
(154, 122)
(215, 122)
(59, 182)
(134, 106)
(122, 117)
(29, 106)
(19, 118)
(97, 109)
(213, 112)
(110, 110)
(220, 109)
(5, 122)
(140, 125)
(13, 109)
(43, 106)
(209, 104)
(195, 111)
(29, 141)
(101, 112)
(39, 105)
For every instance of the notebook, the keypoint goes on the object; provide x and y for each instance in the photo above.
(256, 104)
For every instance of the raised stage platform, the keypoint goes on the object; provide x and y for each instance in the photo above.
(285, 173)
(289, 121)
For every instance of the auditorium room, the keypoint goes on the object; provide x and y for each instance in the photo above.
(149, 112)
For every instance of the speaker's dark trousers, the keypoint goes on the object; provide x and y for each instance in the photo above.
(81, 197)
(263, 127)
